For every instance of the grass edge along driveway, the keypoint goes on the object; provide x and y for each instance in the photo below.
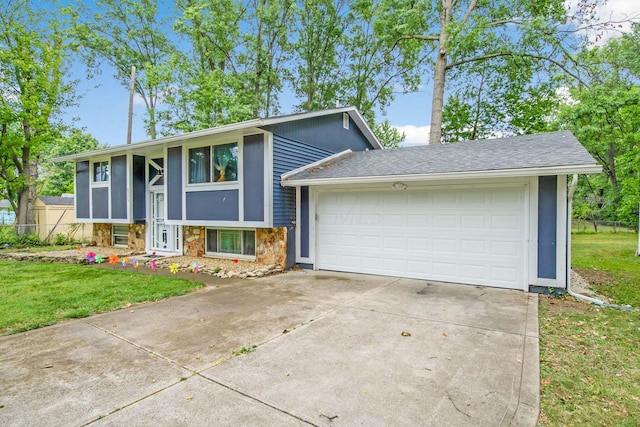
(590, 356)
(33, 295)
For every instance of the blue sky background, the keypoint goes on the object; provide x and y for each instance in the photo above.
(104, 103)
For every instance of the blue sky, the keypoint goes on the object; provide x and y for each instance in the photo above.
(103, 103)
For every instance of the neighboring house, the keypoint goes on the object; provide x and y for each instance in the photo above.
(214, 192)
(55, 215)
(7, 216)
(315, 189)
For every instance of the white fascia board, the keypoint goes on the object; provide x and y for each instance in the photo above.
(160, 141)
(254, 123)
(313, 165)
(503, 173)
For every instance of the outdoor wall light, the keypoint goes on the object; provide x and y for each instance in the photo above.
(399, 186)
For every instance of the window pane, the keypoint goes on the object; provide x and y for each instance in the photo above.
(212, 240)
(199, 161)
(230, 242)
(96, 172)
(248, 242)
(225, 162)
(105, 171)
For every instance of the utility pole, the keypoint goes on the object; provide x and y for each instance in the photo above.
(131, 91)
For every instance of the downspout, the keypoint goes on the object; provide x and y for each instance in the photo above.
(572, 190)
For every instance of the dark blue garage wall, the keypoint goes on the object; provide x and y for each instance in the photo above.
(83, 186)
(219, 205)
(100, 202)
(287, 156)
(547, 226)
(174, 183)
(139, 189)
(119, 187)
(253, 169)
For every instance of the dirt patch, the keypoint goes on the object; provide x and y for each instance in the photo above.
(594, 276)
(555, 306)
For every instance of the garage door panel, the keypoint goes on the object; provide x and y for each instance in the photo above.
(473, 236)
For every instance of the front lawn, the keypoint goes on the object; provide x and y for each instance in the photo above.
(33, 295)
(590, 356)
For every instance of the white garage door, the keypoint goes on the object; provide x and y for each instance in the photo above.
(474, 236)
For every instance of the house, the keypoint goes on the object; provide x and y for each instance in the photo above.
(214, 192)
(7, 216)
(55, 215)
(316, 189)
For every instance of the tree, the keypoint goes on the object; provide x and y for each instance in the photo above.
(126, 33)
(58, 178)
(210, 88)
(33, 51)
(318, 52)
(388, 136)
(510, 37)
(605, 116)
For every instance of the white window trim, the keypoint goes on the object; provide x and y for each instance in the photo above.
(113, 235)
(97, 184)
(208, 186)
(226, 255)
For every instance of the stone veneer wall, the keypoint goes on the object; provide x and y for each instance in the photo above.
(271, 246)
(193, 240)
(101, 235)
(137, 240)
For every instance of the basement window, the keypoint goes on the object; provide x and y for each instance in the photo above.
(120, 235)
(224, 241)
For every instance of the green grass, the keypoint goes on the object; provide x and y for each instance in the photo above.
(590, 356)
(33, 295)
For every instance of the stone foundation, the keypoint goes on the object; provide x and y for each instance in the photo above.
(271, 246)
(101, 235)
(193, 241)
(137, 237)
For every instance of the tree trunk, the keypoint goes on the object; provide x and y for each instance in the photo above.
(25, 216)
(439, 75)
(611, 153)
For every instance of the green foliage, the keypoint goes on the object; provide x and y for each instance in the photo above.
(35, 294)
(389, 136)
(605, 117)
(245, 350)
(33, 53)
(122, 34)
(57, 178)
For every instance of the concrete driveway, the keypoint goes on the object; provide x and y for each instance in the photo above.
(331, 349)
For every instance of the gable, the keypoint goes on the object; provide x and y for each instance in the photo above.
(323, 132)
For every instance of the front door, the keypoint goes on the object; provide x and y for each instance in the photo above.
(164, 237)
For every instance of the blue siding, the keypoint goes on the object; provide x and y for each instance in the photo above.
(119, 187)
(287, 156)
(139, 190)
(83, 185)
(100, 202)
(324, 132)
(547, 224)
(304, 222)
(174, 183)
(219, 205)
(253, 169)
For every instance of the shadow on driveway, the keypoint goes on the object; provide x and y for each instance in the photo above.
(302, 348)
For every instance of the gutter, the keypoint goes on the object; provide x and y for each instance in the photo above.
(595, 301)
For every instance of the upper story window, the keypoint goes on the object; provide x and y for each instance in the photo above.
(101, 171)
(217, 163)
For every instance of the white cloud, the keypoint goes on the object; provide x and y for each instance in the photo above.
(415, 135)
(619, 13)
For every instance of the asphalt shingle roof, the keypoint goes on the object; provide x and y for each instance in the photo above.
(518, 152)
(52, 200)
